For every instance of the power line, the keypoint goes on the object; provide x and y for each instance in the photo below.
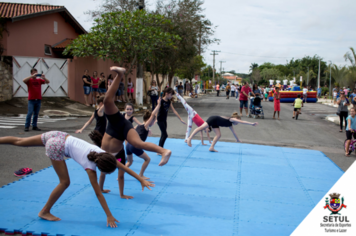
(252, 55)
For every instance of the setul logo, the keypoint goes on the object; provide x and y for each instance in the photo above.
(335, 205)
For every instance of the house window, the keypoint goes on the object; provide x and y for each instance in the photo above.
(56, 27)
(48, 50)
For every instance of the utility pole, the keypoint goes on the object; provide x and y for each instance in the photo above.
(139, 76)
(221, 62)
(319, 75)
(330, 81)
(214, 54)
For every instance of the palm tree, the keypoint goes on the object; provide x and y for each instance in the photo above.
(351, 75)
(253, 66)
(351, 56)
(339, 74)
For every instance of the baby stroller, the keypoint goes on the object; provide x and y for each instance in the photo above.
(256, 109)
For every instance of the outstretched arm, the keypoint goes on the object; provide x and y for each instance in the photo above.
(85, 125)
(93, 180)
(176, 113)
(234, 133)
(243, 122)
(152, 119)
(137, 121)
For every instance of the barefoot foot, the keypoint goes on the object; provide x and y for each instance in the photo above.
(48, 216)
(212, 150)
(189, 142)
(165, 157)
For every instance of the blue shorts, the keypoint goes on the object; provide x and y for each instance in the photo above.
(131, 149)
(87, 90)
(243, 104)
(118, 92)
(102, 90)
(95, 89)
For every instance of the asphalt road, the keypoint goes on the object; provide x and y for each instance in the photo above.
(310, 131)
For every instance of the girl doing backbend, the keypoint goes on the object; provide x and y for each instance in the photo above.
(120, 129)
(142, 130)
(193, 117)
(59, 144)
(220, 121)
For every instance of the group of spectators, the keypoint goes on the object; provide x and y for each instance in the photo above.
(95, 86)
(186, 89)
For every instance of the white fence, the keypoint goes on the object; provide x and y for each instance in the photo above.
(55, 70)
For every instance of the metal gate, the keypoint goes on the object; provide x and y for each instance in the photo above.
(55, 70)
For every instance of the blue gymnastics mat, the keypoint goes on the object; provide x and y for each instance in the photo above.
(243, 189)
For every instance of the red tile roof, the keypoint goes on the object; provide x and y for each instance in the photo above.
(10, 10)
(63, 44)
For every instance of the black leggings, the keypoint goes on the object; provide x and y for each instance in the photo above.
(164, 135)
(343, 114)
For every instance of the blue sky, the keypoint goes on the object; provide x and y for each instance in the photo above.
(264, 31)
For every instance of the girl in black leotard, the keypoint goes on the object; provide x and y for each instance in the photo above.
(99, 116)
(129, 110)
(163, 112)
(220, 121)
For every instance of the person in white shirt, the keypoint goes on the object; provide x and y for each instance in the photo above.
(59, 144)
(233, 89)
(305, 94)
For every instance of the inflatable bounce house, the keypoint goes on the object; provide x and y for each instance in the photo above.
(290, 96)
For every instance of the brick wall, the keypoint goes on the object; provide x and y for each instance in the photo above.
(5, 80)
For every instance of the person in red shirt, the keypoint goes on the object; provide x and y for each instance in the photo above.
(245, 90)
(34, 84)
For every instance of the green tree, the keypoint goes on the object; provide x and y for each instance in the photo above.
(125, 38)
(339, 74)
(253, 66)
(191, 68)
(255, 76)
(194, 29)
(351, 74)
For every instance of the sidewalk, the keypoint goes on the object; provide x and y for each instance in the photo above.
(53, 107)
(328, 102)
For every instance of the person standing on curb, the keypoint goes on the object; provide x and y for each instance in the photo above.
(87, 87)
(342, 110)
(34, 87)
(217, 90)
(319, 92)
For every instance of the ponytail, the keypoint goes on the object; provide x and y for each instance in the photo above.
(235, 115)
(96, 137)
(104, 161)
